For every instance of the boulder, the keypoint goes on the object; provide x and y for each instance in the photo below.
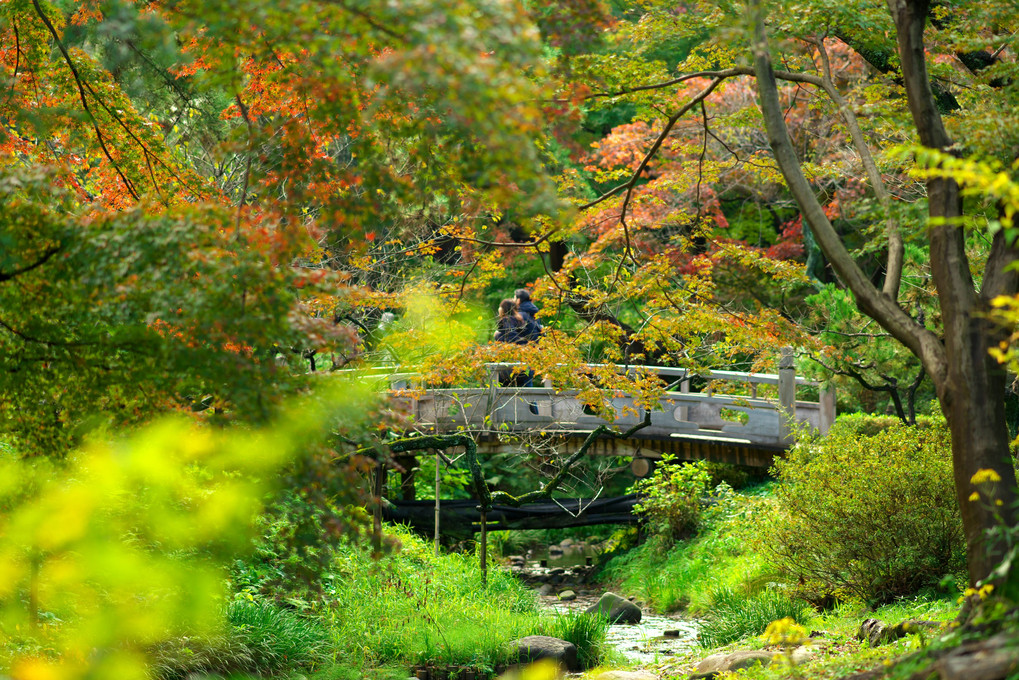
(733, 661)
(535, 647)
(878, 632)
(567, 596)
(616, 609)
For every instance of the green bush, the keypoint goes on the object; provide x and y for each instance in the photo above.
(670, 502)
(872, 517)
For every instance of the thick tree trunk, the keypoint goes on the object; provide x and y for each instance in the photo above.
(969, 382)
(973, 401)
(972, 394)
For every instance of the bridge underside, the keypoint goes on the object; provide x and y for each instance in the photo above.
(461, 517)
(564, 443)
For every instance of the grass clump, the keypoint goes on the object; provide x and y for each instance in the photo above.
(260, 638)
(586, 631)
(734, 615)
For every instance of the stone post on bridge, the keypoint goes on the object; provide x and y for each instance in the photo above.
(786, 395)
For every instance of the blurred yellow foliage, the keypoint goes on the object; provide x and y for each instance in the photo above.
(123, 544)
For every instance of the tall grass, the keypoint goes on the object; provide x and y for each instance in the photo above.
(586, 631)
(735, 615)
(260, 638)
(413, 608)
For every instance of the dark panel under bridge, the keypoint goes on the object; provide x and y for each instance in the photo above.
(461, 517)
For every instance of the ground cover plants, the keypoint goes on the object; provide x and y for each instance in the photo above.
(413, 608)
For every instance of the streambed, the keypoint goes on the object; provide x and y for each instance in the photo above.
(562, 567)
(656, 635)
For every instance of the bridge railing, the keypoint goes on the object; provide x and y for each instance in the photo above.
(711, 414)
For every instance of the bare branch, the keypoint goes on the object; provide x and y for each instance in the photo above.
(45, 257)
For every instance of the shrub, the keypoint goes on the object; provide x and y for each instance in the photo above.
(671, 498)
(873, 517)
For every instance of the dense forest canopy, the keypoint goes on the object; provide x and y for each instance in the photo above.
(201, 201)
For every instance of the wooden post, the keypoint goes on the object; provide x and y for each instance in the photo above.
(827, 403)
(492, 396)
(438, 477)
(484, 548)
(786, 395)
(380, 482)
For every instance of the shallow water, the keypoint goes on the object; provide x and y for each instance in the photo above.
(643, 642)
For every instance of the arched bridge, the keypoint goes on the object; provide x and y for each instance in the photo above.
(729, 419)
(723, 416)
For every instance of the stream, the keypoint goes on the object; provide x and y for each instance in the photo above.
(568, 567)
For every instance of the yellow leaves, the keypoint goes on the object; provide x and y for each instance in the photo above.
(785, 632)
(986, 180)
(122, 546)
(983, 592)
(984, 476)
(544, 669)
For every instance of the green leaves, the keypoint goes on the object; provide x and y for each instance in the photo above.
(670, 500)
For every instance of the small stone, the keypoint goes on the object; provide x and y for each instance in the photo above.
(734, 661)
(567, 596)
(545, 589)
(672, 632)
(626, 675)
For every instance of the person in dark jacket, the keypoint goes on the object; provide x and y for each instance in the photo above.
(528, 310)
(513, 327)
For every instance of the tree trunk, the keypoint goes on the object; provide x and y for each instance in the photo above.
(972, 393)
(973, 401)
(970, 384)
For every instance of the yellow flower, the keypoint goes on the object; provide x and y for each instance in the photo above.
(975, 496)
(985, 475)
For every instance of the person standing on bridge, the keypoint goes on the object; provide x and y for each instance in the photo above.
(512, 327)
(528, 310)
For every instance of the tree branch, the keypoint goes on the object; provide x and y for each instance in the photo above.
(872, 302)
(487, 498)
(632, 182)
(84, 100)
(896, 249)
(46, 256)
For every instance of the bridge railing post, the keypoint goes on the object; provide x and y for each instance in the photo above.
(684, 387)
(826, 397)
(786, 395)
(493, 386)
